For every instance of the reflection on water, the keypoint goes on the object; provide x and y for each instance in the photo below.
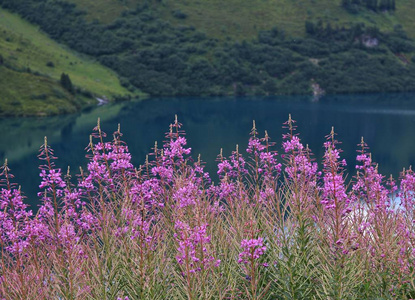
(387, 123)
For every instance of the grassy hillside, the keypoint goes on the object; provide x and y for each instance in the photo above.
(32, 66)
(243, 19)
(24, 94)
(234, 47)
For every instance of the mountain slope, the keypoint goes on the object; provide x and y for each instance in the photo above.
(32, 65)
(243, 19)
(193, 47)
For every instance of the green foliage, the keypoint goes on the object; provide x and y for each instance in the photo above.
(295, 273)
(242, 19)
(166, 58)
(41, 96)
(25, 49)
(374, 5)
(179, 14)
(67, 83)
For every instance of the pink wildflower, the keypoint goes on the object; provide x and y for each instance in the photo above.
(252, 250)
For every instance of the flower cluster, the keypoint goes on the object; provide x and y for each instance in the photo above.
(234, 167)
(14, 219)
(264, 165)
(369, 182)
(253, 249)
(193, 247)
(407, 189)
(164, 229)
(334, 196)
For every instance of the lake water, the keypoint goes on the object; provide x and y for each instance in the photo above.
(387, 123)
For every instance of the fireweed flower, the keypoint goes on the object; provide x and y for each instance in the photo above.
(138, 223)
(265, 169)
(173, 157)
(53, 187)
(73, 203)
(406, 195)
(302, 173)
(14, 217)
(293, 144)
(52, 182)
(187, 195)
(234, 168)
(255, 146)
(299, 166)
(108, 160)
(174, 147)
(369, 183)
(232, 175)
(108, 171)
(148, 192)
(407, 190)
(224, 167)
(98, 168)
(193, 247)
(163, 172)
(334, 196)
(198, 173)
(118, 155)
(69, 239)
(61, 208)
(226, 190)
(334, 199)
(253, 249)
(238, 165)
(381, 230)
(372, 198)
(269, 164)
(263, 162)
(386, 236)
(62, 217)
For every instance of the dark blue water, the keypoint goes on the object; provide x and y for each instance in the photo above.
(387, 123)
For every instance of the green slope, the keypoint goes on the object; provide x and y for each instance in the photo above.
(235, 47)
(24, 94)
(240, 19)
(32, 66)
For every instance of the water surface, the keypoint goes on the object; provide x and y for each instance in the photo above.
(387, 123)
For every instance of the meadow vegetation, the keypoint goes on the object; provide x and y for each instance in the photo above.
(241, 20)
(39, 95)
(275, 226)
(32, 64)
(160, 48)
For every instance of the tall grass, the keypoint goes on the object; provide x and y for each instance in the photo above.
(275, 226)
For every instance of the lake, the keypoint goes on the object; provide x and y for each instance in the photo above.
(387, 122)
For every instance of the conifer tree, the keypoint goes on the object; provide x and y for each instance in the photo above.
(346, 3)
(67, 83)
